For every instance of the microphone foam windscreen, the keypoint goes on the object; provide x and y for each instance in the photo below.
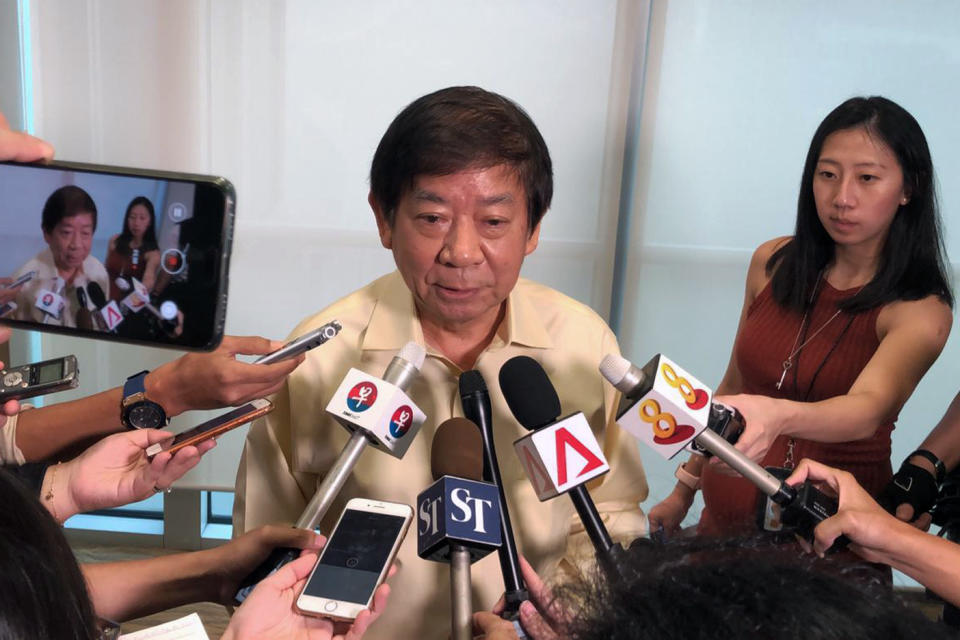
(471, 382)
(529, 392)
(97, 297)
(457, 450)
(413, 353)
(614, 368)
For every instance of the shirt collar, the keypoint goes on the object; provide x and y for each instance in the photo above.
(394, 321)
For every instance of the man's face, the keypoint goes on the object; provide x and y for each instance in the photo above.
(459, 241)
(70, 241)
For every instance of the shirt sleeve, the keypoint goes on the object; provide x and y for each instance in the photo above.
(10, 453)
(267, 489)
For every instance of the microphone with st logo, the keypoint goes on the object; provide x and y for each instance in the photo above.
(458, 516)
(667, 408)
(377, 412)
(553, 445)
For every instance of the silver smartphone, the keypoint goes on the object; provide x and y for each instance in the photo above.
(356, 559)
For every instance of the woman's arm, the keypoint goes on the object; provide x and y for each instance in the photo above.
(124, 590)
(911, 333)
(150, 270)
(877, 536)
(193, 381)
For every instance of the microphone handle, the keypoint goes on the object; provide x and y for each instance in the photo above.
(317, 508)
(476, 408)
(592, 522)
(461, 604)
(333, 482)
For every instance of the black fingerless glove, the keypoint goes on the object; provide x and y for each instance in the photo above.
(911, 485)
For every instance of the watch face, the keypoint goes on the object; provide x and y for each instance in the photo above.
(145, 416)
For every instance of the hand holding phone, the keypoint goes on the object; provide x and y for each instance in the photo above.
(214, 427)
(355, 560)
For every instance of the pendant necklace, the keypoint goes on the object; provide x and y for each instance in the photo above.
(795, 349)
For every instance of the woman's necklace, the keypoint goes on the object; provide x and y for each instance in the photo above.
(795, 350)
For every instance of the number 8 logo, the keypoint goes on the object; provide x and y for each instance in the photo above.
(651, 414)
(679, 383)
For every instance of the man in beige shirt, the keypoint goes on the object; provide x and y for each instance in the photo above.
(459, 184)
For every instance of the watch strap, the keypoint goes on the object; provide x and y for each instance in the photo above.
(934, 460)
(686, 478)
(135, 384)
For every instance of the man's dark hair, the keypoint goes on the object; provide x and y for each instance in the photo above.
(67, 202)
(42, 592)
(913, 261)
(461, 128)
(734, 589)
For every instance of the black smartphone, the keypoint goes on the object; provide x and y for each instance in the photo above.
(115, 253)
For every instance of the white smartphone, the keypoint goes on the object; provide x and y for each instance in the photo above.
(356, 559)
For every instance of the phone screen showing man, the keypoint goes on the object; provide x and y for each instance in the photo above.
(354, 556)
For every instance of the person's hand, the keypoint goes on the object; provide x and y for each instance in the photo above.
(763, 422)
(268, 612)
(116, 471)
(21, 147)
(236, 559)
(858, 517)
(540, 616)
(911, 493)
(6, 295)
(667, 515)
(217, 379)
(10, 407)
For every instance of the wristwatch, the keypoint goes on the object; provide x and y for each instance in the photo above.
(136, 412)
(687, 478)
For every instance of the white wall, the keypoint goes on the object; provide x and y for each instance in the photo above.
(288, 100)
(733, 94)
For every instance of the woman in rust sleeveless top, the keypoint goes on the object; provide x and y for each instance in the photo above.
(839, 322)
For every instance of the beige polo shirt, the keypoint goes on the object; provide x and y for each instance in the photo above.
(288, 452)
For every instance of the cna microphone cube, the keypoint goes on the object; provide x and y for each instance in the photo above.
(456, 511)
(561, 456)
(381, 410)
(670, 410)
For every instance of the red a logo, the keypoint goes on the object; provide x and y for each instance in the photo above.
(564, 439)
(534, 470)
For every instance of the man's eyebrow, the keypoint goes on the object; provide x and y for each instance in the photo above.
(499, 198)
(428, 196)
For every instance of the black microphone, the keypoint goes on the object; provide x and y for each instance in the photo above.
(99, 300)
(475, 400)
(458, 515)
(84, 317)
(534, 403)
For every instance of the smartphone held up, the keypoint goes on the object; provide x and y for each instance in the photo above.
(355, 560)
(123, 254)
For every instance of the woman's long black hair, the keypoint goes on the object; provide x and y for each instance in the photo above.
(42, 592)
(149, 236)
(912, 263)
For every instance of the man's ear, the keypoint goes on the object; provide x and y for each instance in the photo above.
(383, 227)
(532, 240)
